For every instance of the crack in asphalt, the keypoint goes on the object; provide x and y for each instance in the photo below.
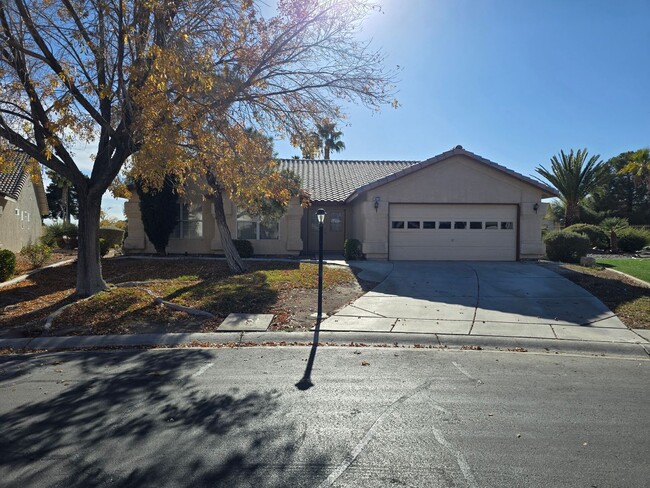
(371, 432)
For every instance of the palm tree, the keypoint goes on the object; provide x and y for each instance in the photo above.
(330, 138)
(613, 225)
(574, 179)
(639, 166)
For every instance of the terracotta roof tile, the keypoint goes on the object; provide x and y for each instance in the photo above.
(12, 182)
(335, 180)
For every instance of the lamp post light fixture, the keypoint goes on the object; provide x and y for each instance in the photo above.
(320, 214)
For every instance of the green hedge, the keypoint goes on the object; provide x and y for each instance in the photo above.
(597, 236)
(244, 247)
(7, 264)
(112, 235)
(352, 250)
(567, 247)
(54, 234)
(633, 240)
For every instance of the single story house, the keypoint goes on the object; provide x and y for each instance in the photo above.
(454, 206)
(22, 205)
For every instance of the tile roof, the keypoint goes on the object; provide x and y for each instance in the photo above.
(341, 181)
(12, 182)
(335, 180)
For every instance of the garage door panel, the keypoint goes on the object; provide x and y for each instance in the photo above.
(418, 243)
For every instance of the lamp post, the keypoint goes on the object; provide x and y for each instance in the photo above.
(305, 383)
(320, 214)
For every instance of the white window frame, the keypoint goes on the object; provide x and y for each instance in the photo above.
(182, 225)
(242, 216)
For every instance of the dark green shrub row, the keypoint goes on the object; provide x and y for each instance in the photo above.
(7, 264)
(633, 240)
(63, 235)
(567, 247)
(112, 235)
(352, 250)
(244, 247)
(597, 236)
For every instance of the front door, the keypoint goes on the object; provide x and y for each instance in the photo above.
(333, 229)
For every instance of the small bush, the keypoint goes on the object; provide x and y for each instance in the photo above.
(565, 246)
(352, 250)
(244, 247)
(7, 264)
(597, 236)
(112, 235)
(633, 240)
(63, 235)
(36, 254)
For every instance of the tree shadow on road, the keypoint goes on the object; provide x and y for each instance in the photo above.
(138, 418)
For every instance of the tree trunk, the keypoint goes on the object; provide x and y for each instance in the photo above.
(234, 260)
(613, 242)
(89, 268)
(65, 203)
(327, 152)
(571, 214)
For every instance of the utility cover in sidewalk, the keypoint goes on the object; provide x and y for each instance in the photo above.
(245, 322)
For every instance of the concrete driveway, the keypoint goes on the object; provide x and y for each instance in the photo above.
(481, 298)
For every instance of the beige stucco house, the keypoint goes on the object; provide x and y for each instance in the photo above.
(22, 205)
(454, 206)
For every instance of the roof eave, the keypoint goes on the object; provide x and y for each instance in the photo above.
(548, 192)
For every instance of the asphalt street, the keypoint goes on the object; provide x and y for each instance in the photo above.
(374, 417)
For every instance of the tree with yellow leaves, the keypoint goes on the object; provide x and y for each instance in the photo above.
(175, 83)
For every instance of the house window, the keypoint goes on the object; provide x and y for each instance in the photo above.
(398, 224)
(492, 225)
(428, 224)
(336, 221)
(444, 225)
(189, 221)
(254, 229)
(460, 225)
(413, 224)
(507, 226)
(476, 225)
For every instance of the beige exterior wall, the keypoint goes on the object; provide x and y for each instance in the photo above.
(458, 179)
(20, 221)
(289, 242)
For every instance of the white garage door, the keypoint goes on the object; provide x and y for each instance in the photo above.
(453, 232)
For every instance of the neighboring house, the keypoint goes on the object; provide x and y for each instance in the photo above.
(22, 205)
(454, 206)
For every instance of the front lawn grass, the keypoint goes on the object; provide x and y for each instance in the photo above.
(639, 268)
(207, 286)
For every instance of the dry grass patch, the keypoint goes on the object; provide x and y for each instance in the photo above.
(285, 289)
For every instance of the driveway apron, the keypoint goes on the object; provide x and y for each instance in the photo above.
(518, 299)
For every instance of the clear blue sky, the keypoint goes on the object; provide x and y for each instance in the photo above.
(514, 81)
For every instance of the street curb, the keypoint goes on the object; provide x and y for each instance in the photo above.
(355, 339)
(633, 279)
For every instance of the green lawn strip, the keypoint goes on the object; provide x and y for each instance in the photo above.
(629, 301)
(212, 290)
(639, 268)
